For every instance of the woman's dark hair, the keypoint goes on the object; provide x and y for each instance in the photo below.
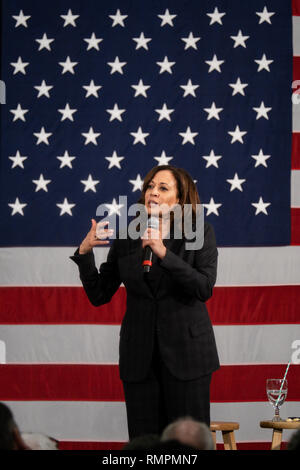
(186, 189)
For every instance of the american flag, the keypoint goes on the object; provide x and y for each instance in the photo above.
(97, 93)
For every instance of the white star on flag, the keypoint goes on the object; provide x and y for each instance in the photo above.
(190, 41)
(43, 89)
(163, 159)
(167, 18)
(42, 136)
(262, 111)
(66, 160)
(236, 183)
(216, 16)
(141, 41)
(263, 63)
(140, 89)
(115, 113)
(114, 208)
(212, 159)
(118, 19)
(189, 89)
(91, 136)
(114, 160)
(214, 64)
(41, 183)
(116, 66)
(21, 19)
(68, 66)
(237, 135)
(66, 207)
(137, 183)
(67, 113)
(93, 42)
(19, 66)
(239, 40)
(261, 206)
(265, 15)
(212, 207)
(213, 112)
(238, 87)
(44, 42)
(261, 159)
(89, 184)
(188, 136)
(19, 113)
(17, 160)
(92, 89)
(164, 113)
(139, 136)
(17, 207)
(166, 65)
(69, 19)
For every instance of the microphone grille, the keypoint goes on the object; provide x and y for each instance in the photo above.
(153, 222)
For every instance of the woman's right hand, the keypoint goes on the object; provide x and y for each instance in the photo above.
(92, 239)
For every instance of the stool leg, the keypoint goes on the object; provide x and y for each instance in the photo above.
(276, 439)
(229, 440)
(213, 433)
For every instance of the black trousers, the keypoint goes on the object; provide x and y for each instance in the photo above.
(161, 398)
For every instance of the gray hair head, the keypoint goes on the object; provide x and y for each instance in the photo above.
(190, 432)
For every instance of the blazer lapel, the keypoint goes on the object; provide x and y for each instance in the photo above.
(155, 276)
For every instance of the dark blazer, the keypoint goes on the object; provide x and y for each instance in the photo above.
(171, 302)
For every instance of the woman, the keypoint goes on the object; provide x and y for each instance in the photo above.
(167, 345)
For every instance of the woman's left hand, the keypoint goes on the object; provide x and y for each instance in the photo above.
(152, 238)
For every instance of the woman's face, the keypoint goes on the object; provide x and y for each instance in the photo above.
(161, 193)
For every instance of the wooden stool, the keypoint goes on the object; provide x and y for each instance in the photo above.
(278, 427)
(227, 428)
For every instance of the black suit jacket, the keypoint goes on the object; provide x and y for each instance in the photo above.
(170, 302)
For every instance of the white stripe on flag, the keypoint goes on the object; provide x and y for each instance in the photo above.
(295, 187)
(296, 35)
(238, 266)
(98, 344)
(105, 421)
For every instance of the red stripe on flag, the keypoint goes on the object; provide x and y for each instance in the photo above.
(295, 226)
(228, 305)
(296, 150)
(90, 445)
(93, 445)
(65, 382)
(246, 383)
(57, 305)
(247, 305)
(296, 7)
(296, 72)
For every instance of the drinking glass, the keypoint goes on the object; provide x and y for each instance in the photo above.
(276, 391)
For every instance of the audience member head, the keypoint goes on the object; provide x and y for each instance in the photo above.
(294, 442)
(10, 437)
(142, 442)
(38, 441)
(189, 432)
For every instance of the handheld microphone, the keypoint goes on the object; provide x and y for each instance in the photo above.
(153, 222)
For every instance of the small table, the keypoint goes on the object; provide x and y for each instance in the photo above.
(278, 427)
(227, 428)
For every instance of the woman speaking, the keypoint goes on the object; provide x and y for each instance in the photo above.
(167, 350)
